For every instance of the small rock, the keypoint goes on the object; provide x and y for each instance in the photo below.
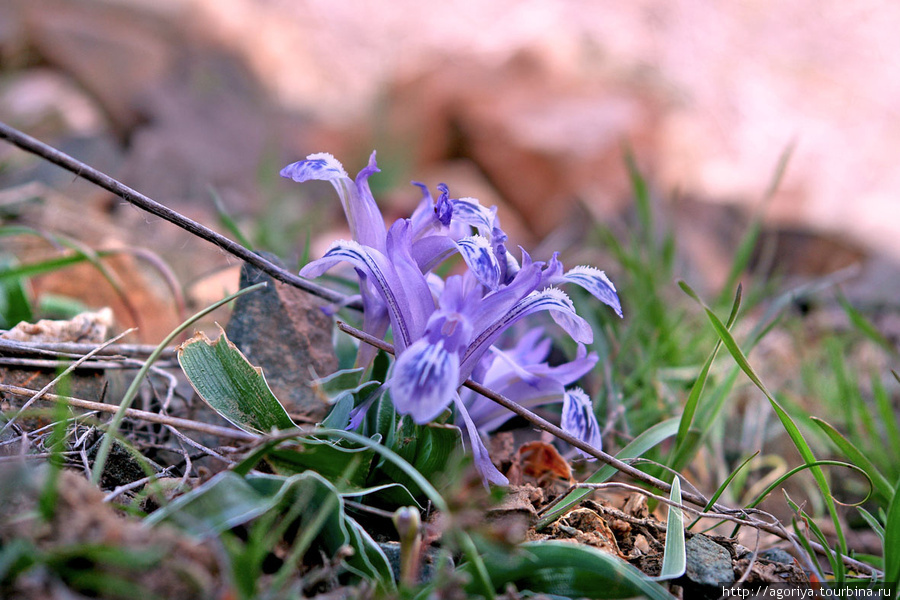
(708, 563)
(777, 555)
(121, 466)
(284, 331)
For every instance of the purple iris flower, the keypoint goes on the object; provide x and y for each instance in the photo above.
(442, 330)
(432, 238)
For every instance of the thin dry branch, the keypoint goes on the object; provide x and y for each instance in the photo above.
(133, 413)
(61, 159)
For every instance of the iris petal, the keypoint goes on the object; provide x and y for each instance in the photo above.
(470, 212)
(550, 299)
(489, 473)
(578, 419)
(321, 166)
(479, 256)
(374, 265)
(425, 380)
(597, 283)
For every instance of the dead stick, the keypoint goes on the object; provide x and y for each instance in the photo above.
(224, 432)
(61, 159)
(696, 499)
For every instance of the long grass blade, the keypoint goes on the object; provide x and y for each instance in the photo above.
(892, 541)
(882, 487)
(790, 427)
(721, 489)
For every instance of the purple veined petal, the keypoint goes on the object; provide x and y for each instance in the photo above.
(477, 253)
(506, 367)
(578, 419)
(435, 284)
(443, 208)
(594, 281)
(359, 413)
(431, 250)
(423, 218)
(495, 304)
(532, 348)
(375, 323)
(489, 473)
(549, 299)
(573, 370)
(553, 271)
(321, 166)
(372, 264)
(412, 284)
(363, 215)
(470, 212)
(424, 380)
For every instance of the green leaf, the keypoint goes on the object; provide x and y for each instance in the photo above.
(869, 518)
(336, 462)
(481, 579)
(569, 570)
(228, 383)
(638, 446)
(865, 326)
(15, 304)
(892, 540)
(882, 486)
(682, 443)
(132, 391)
(228, 500)
(426, 447)
(674, 558)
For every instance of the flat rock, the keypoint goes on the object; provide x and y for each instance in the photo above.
(284, 331)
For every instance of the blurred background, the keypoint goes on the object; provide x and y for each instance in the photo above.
(529, 105)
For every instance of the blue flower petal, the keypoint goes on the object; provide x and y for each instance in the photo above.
(374, 267)
(424, 380)
(477, 253)
(489, 473)
(321, 166)
(550, 299)
(578, 419)
(470, 212)
(363, 215)
(597, 283)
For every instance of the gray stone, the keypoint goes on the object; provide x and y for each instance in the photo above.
(284, 331)
(777, 555)
(708, 563)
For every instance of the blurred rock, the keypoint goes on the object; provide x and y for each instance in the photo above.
(117, 51)
(540, 138)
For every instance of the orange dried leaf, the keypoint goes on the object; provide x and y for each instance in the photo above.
(540, 459)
